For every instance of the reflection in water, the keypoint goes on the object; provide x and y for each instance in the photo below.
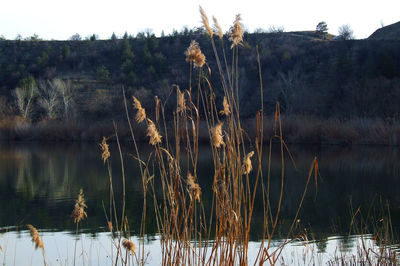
(38, 185)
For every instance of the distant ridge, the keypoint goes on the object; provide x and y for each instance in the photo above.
(390, 32)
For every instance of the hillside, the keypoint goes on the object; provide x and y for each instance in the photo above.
(309, 75)
(390, 32)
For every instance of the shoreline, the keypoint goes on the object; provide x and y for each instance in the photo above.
(299, 130)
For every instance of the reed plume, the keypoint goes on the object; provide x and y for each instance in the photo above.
(247, 167)
(194, 55)
(216, 135)
(152, 132)
(226, 111)
(110, 226)
(181, 102)
(218, 28)
(141, 112)
(79, 212)
(194, 188)
(35, 237)
(129, 245)
(236, 32)
(204, 18)
(105, 152)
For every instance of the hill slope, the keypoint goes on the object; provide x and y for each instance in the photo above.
(307, 74)
(390, 32)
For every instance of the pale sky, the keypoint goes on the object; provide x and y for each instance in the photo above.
(55, 19)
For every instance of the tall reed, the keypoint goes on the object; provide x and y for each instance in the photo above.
(119, 234)
(188, 235)
(37, 240)
(78, 214)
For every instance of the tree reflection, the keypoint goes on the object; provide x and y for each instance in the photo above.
(38, 184)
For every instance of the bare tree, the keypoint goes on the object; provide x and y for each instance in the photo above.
(24, 96)
(275, 29)
(345, 32)
(49, 98)
(65, 91)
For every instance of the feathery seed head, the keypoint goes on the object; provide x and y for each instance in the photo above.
(236, 32)
(194, 188)
(79, 212)
(140, 115)
(35, 237)
(81, 199)
(141, 112)
(181, 102)
(226, 110)
(247, 167)
(194, 54)
(136, 103)
(105, 150)
(216, 135)
(110, 226)
(152, 132)
(204, 18)
(128, 245)
(218, 29)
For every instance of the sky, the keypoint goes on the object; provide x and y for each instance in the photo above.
(59, 20)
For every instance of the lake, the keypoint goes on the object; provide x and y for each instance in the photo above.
(40, 182)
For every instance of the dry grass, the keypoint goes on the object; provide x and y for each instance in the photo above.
(236, 32)
(105, 151)
(181, 101)
(227, 110)
(378, 248)
(206, 25)
(185, 228)
(216, 134)
(152, 133)
(194, 188)
(194, 55)
(188, 234)
(79, 212)
(35, 237)
(218, 28)
(129, 245)
(37, 240)
(246, 166)
(141, 112)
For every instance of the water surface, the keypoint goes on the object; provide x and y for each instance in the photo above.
(39, 183)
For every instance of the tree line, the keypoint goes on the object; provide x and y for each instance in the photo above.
(307, 72)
